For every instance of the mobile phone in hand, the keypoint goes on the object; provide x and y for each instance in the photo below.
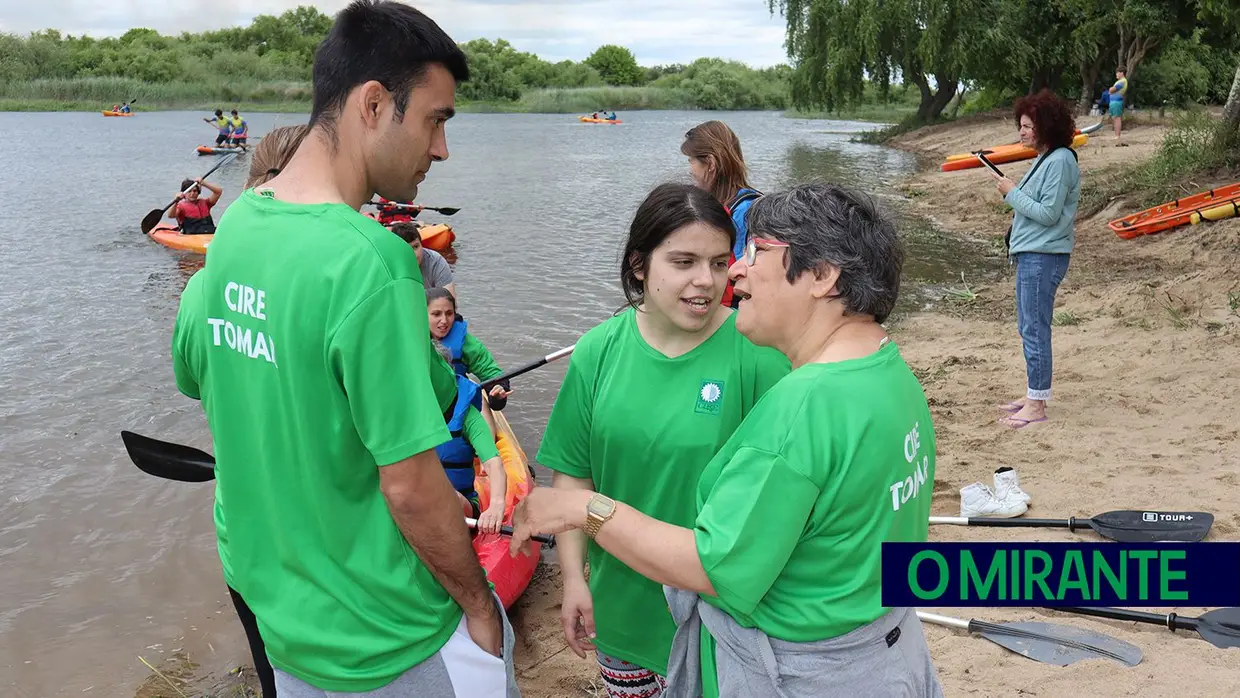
(989, 164)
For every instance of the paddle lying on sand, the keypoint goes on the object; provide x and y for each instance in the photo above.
(1048, 643)
(1220, 627)
(188, 464)
(152, 219)
(528, 367)
(1122, 526)
(447, 211)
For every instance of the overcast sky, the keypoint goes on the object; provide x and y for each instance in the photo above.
(657, 31)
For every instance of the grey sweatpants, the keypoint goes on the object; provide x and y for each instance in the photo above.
(460, 669)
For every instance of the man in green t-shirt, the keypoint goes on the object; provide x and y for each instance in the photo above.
(305, 337)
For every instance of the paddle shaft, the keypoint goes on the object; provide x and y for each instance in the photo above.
(446, 210)
(1071, 523)
(487, 385)
(1171, 620)
(507, 531)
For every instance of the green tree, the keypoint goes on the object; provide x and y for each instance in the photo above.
(617, 65)
(835, 44)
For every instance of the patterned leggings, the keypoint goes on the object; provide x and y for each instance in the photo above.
(625, 680)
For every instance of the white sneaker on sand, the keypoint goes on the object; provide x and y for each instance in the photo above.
(978, 500)
(1007, 481)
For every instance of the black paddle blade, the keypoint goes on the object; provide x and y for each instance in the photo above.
(168, 460)
(446, 211)
(1059, 645)
(152, 220)
(1220, 627)
(1153, 526)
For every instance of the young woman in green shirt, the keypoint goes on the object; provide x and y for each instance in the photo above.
(649, 397)
(775, 580)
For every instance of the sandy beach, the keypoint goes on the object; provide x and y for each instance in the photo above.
(1145, 342)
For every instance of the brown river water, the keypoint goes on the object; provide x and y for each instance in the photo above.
(101, 564)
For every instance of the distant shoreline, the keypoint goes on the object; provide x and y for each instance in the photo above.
(875, 113)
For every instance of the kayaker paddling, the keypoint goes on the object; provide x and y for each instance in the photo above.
(649, 397)
(777, 573)
(343, 533)
(192, 212)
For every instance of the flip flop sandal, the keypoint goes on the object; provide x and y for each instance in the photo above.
(1018, 423)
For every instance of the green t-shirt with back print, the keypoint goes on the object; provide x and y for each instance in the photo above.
(642, 426)
(305, 336)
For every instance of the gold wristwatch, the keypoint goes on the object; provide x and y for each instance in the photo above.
(599, 509)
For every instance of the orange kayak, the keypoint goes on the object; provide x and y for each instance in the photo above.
(438, 236)
(118, 113)
(588, 120)
(1011, 152)
(166, 234)
(510, 575)
(217, 150)
(1174, 214)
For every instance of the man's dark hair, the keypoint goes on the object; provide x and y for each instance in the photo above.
(380, 40)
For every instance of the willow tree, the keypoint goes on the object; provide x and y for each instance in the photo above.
(835, 45)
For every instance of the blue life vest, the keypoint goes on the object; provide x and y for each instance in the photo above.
(455, 342)
(738, 208)
(456, 455)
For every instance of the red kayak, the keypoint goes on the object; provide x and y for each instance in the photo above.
(509, 575)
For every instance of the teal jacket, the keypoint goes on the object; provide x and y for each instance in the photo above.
(1045, 206)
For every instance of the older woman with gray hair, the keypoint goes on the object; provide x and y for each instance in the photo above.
(776, 588)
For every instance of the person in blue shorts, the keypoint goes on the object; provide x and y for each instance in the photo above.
(1116, 106)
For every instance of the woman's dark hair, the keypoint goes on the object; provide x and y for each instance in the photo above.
(187, 183)
(713, 142)
(825, 224)
(666, 209)
(434, 294)
(389, 42)
(1053, 124)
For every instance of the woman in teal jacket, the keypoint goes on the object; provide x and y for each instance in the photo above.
(1041, 240)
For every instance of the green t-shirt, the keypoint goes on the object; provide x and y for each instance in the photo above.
(479, 359)
(793, 511)
(305, 337)
(642, 427)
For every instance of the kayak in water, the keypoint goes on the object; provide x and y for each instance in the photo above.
(168, 234)
(217, 150)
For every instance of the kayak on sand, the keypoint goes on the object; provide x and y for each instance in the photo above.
(510, 575)
(168, 234)
(1000, 154)
(1213, 204)
(963, 156)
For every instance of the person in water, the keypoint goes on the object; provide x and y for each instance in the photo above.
(717, 166)
(468, 354)
(391, 212)
(224, 126)
(472, 437)
(240, 130)
(436, 272)
(649, 398)
(192, 212)
(775, 578)
(329, 410)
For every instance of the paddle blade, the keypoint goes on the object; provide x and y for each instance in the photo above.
(1221, 627)
(152, 220)
(447, 211)
(1059, 645)
(1153, 526)
(167, 460)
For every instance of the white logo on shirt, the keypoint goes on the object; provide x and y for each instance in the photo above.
(910, 487)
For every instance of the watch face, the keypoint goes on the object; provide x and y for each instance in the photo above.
(600, 506)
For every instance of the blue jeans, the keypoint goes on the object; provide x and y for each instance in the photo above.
(1038, 277)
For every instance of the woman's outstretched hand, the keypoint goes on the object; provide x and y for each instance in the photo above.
(547, 510)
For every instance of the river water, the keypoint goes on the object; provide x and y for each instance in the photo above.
(101, 564)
